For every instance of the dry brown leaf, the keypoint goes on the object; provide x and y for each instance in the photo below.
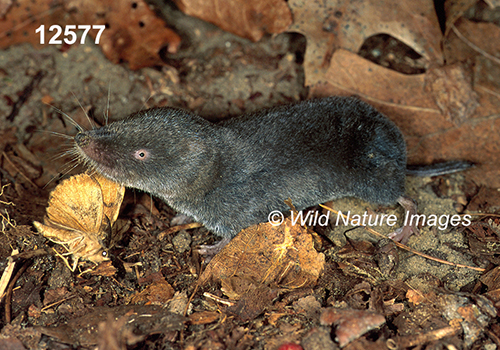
(451, 88)
(468, 41)
(53, 296)
(249, 18)
(80, 214)
(442, 315)
(492, 280)
(4, 7)
(133, 32)
(454, 9)
(105, 268)
(333, 24)
(158, 292)
(20, 21)
(204, 317)
(416, 297)
(265, 254)
(394, 93)
(253, 301)
(351, 324)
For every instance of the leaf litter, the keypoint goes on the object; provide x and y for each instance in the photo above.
(282, 285)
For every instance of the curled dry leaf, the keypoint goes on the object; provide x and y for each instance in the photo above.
(351, 324)
(80, 214)
(249, 18)
(333, 24)
(281, 255)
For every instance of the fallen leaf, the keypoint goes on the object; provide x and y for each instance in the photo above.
(253, 301)
(460, 318)
(318, 338)
(204, 317)
(415, 297)
(308, 306)
(4, 7)
(114, 335)
(19, 22)
(491, 279)
(105, 268)
(52, 296)
(133, 32)
(80, 214)
(260, 261)
(475, 41)
(179, 303)
(332, 24)
(11, 343)
(158, 292)
(454, 9)
(249, 19)
(451, 88)
(351, 324)
(282, 255)
(483, 240)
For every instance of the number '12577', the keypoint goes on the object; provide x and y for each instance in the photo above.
(70, 36)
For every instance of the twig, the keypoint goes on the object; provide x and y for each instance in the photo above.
(8, 295)
(1, 194)
(18, 170)
(217, 299)
(420, 339)
(57, 302)
(7, 274)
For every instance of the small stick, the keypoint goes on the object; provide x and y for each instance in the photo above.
(7, 274)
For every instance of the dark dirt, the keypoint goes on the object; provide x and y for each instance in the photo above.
(216, 75)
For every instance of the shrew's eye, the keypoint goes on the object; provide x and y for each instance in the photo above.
(141, 154)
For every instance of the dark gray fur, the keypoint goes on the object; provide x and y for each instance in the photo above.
(231, 175)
